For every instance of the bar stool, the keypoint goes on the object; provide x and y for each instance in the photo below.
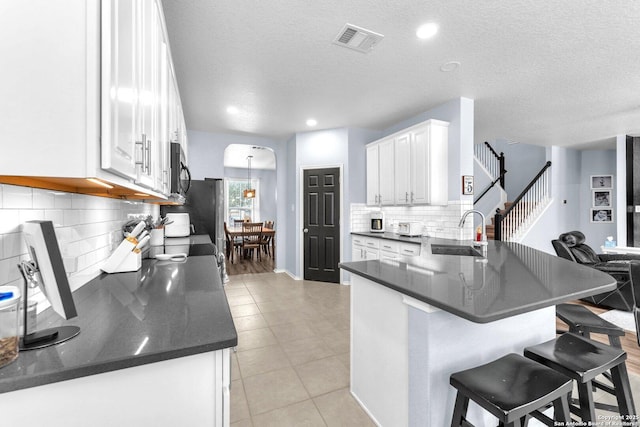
(512, 388)
(583, 359)
(583, 321)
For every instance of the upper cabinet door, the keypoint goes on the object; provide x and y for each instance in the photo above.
(403, 191)
(373, 172)
(119, 86)
(386, 165)
(420, 166)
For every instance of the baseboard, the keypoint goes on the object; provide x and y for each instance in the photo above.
(293, 276)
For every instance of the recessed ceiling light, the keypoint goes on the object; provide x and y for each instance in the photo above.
(449, 66)
(232, 110)
(427, 31)
(311, 122)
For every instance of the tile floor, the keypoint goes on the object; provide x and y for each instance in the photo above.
(291, 367)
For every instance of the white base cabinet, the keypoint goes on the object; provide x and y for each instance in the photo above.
(187, 391)
(368, 248)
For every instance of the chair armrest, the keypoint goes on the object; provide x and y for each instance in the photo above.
(618, 257)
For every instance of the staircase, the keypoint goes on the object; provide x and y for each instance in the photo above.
(512, 221)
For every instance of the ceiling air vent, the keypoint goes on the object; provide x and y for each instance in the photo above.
(357, 38)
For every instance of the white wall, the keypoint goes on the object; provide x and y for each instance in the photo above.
(597, 162)
(88, 228)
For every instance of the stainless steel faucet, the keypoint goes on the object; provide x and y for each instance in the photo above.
(483, 238)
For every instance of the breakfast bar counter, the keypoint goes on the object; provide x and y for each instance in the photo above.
(416, 320)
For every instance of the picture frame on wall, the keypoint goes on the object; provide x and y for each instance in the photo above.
(602, 216)
(601, 182)
(601, 198)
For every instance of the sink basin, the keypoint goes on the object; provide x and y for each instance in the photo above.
(455, 250)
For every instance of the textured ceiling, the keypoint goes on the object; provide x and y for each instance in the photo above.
(563, 73)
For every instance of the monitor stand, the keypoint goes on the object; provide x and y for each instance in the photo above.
(46, 337)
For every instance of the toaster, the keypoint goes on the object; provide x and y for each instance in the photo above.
(410, 228)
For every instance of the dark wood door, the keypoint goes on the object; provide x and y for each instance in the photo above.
(321, 192)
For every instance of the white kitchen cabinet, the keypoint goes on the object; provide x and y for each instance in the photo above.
(185, 391)
(429, 163)
(380, 173)
(368, 248)
(415, 166)
(83, 83)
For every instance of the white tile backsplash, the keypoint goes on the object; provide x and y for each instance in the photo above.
(439, 221)
(88, 228)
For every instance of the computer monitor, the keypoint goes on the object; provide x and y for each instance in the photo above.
(47, 270)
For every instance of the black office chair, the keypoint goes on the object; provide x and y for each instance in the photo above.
(571, 246)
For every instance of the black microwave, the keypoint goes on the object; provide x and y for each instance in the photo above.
(180, 175)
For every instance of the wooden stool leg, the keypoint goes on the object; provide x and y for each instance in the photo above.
(587, 407)
(561, 409)
(620, 379)
(459, 410)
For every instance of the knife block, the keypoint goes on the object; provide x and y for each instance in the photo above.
(123, 259)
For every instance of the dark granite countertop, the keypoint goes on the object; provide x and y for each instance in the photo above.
(513, 279)
(163, 311)
(388, 236)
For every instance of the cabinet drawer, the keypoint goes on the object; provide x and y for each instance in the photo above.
(372, 243)
(409, 249)
(358, 240)
(389, 246)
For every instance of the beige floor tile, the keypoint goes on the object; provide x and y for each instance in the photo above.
(345, 358)
(272, 306)
(242, 423)
(281, 317)
(235, 300)
(339, 408)
(323, 375)
(261, 360)
(255, 338)
(299, 414)
(244, 310)
(292, 331)
(239, 407)
(236, 290)
(322, 327)
(235, 368)
(247, 323)
(338, 341)
(273, 390)
(306, 350)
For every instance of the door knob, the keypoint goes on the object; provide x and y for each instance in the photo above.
(306, 230)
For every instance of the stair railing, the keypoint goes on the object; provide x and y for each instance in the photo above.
(489, 187)
(524, 207)
(492, 161)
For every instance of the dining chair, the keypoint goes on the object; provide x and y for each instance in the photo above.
(252, 237)
(266, 240)
(233, 244)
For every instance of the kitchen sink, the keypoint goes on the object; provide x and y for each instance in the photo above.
(455, 250)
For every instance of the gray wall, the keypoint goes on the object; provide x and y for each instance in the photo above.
(597, 162)
(522, 162)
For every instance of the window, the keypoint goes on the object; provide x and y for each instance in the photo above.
(236, 206)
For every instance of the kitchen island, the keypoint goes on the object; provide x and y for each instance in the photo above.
(154, 349)
(416, 320)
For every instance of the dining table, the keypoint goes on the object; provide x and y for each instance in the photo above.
(237, 231)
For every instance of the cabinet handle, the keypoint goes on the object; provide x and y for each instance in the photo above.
(148, 155)
(412, 197)
(406, 197)
(165, 175)
(142, 151)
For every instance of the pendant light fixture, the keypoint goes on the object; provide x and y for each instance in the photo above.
(249, 193)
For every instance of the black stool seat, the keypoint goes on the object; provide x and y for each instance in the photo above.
(584, 322)
(583, 359)
(511, 388)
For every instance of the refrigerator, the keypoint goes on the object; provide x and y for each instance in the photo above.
(205, 206)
